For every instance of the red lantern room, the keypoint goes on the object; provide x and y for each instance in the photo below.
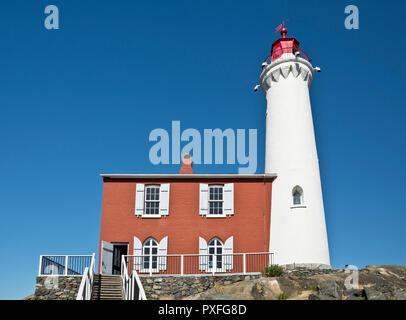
(284, 45)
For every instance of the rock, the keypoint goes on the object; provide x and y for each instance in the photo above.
(372, 294)
(355, 298)
(401, 295)
(330, 291)
(217, 296)
(354, 292)
(274, 287)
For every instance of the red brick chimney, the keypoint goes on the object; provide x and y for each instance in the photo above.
(186, 164)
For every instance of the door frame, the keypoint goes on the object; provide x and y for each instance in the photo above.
(119, 244)
(112, 258)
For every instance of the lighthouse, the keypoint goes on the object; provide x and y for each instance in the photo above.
(298, 232)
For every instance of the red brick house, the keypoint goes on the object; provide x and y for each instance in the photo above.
(157, 218)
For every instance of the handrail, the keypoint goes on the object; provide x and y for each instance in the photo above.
(73, 265)
(131, 284)
(86, 285)
(60, 265)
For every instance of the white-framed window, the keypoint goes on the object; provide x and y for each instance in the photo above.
(215, 248)
(297, 196)
(152, 200)
(216, 199)
(150, 255)
(216, 255)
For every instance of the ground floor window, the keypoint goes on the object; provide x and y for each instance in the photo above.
(150, 254)
(215, 247)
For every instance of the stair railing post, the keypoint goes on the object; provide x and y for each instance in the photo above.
(181, 265)
(244, 263)
(66, 265)
(40, 266)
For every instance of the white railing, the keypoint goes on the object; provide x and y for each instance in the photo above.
(86, 285)
(195, 264)
(64, 265)
(132, 286)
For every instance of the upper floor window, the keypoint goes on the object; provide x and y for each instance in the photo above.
(297, 194)
(216, 199)
(152, 199)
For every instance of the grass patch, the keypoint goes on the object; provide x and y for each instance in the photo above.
(283, 296)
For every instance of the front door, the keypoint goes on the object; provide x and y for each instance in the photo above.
(118, 251)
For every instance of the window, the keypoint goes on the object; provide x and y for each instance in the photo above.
(150, 254)
(216, 199)
(297, 194)
(151, 200)
(215, 251)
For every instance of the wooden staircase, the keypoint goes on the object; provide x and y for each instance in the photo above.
(107, 287)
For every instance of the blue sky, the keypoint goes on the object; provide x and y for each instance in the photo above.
(82, 100)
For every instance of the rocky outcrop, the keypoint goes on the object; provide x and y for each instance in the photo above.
(374, 283)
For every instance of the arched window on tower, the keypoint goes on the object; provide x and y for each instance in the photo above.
(297, 194)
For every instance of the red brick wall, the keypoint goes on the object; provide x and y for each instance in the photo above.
(249, 225)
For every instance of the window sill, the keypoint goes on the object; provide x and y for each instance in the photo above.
(151, 216)
(298, 207)
(148, 271)
(217, 216)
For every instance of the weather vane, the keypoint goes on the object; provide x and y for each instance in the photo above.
(281, 26)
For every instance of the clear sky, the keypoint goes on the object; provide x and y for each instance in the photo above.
(82, 100)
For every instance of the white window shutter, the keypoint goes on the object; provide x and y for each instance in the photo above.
(137, 249)
(162, 253)
(204, 199)
(228, 197)
(139, 199)
(164, 200)
(228, 253)
(203, 255)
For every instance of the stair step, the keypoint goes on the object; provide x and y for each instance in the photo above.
(107, 287)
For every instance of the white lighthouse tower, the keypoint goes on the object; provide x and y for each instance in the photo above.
(298, 230)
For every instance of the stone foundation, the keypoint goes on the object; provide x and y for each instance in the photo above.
(57, 288)
(176, 287)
